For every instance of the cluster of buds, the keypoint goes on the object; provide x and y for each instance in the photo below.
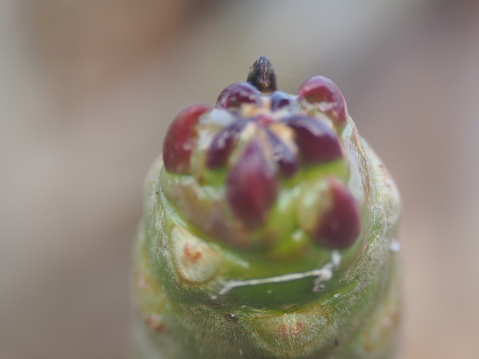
(262, 138)
(269, 231)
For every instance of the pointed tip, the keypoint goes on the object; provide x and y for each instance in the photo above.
(262, 76)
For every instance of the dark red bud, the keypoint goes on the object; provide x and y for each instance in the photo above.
(283, 155)
(339, 227)
(223, 144)
(238, 94)
(326, 94)
(251, 186)
(181, 139)
(317, 143)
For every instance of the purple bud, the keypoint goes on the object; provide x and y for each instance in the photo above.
(223, 144)
(340, 225)
(326, 94)
(181, 139)
(283, 155)
(251, 186)
(317, 143)
(238, 94)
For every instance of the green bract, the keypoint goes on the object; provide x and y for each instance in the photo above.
(269, 231)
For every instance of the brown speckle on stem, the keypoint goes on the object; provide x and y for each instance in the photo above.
(290, 329)
(142, 281)
(156, 324)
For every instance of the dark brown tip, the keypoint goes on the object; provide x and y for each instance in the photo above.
(261, 75)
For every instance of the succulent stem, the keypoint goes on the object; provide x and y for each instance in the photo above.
(270, 232)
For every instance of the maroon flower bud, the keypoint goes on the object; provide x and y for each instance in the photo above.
(181, 139)
(223, 144)
(238, 94)
(251, 186)
(327, 96)
(283, 155)
(340, 225)
(317, 143)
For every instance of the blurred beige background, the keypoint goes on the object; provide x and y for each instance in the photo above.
(88, 87)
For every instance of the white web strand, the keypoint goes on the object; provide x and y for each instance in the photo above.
(320, 275)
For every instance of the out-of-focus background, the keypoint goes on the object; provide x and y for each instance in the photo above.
(88, 88)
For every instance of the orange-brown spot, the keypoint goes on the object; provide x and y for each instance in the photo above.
(191, 254)
(294, 328)
(391, 320)
(156, 324)
(142, 281)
